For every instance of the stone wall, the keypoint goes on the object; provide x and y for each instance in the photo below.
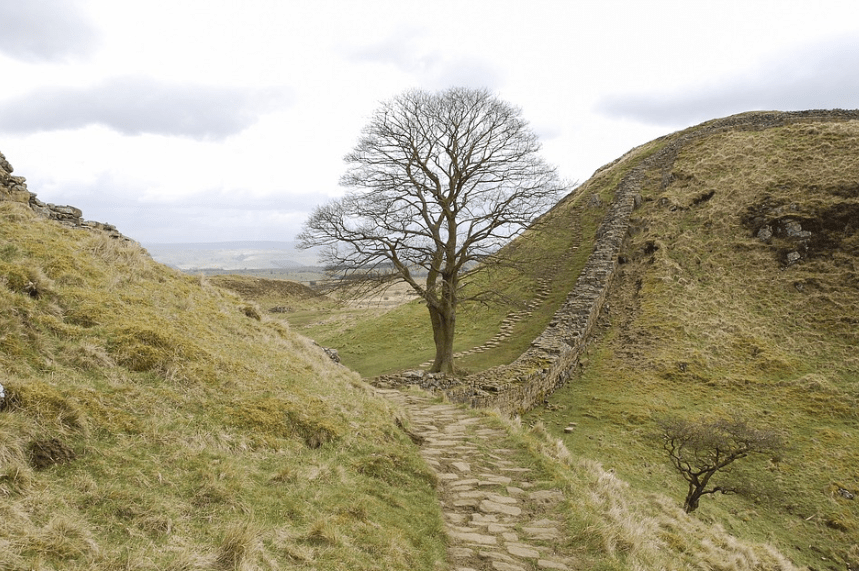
(554, 355)
(14, 189)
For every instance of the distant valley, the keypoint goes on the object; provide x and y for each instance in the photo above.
(232, 256)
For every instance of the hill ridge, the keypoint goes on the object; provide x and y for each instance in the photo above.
(548, 362)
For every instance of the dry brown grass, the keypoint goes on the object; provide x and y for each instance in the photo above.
(709, 319)
(154, 421)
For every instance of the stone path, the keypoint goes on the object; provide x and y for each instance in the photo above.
(497, 515)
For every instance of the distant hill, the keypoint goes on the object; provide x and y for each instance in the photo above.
(260, 255)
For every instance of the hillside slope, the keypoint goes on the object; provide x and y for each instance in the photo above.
(737, 294)
(152, 421)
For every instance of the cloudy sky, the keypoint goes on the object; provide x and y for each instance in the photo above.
(221, 120)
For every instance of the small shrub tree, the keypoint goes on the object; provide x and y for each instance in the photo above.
(700, 448)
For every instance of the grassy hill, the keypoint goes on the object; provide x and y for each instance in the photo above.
(738, 292)
(154, 421)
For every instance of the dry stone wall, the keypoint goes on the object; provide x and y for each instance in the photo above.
(14, 189)
(553, 356)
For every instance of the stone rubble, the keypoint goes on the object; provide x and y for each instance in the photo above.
(14, 189)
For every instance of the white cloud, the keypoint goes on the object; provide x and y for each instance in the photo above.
(819, 75)
(45, 30)
(202, 120)
(133, 106)
(410, 51)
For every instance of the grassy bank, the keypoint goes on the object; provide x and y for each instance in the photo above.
(709, 317)
(154, 421)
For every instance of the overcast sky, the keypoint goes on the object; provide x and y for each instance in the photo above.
(219, 120)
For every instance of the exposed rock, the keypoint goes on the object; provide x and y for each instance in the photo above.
(4, 164)
(14, 189)
(765, 233)
(793, 229)
(332, 354)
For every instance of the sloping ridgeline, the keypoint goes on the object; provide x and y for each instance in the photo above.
(736, 291)
(724, 280)
(152, 421)
(792, 232)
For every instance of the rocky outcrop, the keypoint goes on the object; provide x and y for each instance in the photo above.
(554, 355)
(14, 189)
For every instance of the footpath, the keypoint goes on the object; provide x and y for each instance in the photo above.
(498, 515)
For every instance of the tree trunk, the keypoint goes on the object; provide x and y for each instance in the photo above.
(443, 326)
(692, 499)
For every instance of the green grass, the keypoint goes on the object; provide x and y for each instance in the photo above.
(552, 253)
(704, 319)
(713, 322)
(154, 421)
(187, 429)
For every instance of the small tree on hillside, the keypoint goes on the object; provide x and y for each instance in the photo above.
(437, 183)
(698, 449)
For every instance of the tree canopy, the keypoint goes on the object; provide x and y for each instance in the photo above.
(698, 449)
(437, 183)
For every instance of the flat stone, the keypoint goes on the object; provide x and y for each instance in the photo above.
(466, 503)
(514, 491)
(478, 538)
(520, 550)
(500, 499)
(548, 564)
(462, 466)
(509, 536)
(441, 443)
(500, 528)
(487, 506)
(460, 551)
(465, 482)
(448, 476)
(471, 494)
(455, 517)
(504, 566)
(495, 478)
(496, 555)
(483, 519)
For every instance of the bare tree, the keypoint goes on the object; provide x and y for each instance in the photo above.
(437, 182)
(698, 449)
